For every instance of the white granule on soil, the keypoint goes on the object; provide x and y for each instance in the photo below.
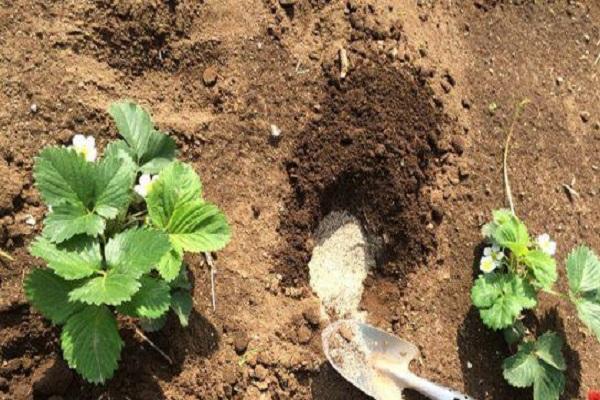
(339, 264)
(349, 352)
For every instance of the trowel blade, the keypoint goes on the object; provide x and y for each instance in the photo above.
(345, 340)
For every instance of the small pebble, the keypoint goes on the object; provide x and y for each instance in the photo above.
(346, 332)
(33, 108)
(261, 372)
(275, 131)
(469, 365)
(240, 342)
(304, 335)
(446, 86)
(466, 104)
(287, 3)
(30, 220)
(209, 76)
(585, 116)
(311, 315)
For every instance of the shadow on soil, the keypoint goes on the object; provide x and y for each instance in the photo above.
(142, 367)
(481, 353)
(551, 321)
(330, 385)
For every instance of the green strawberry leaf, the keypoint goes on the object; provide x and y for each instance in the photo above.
(182, 304)
(170, 265)
(177, 184)
(136, 251)
(512, 234)
(69, 219)
(197, 226)
(112, 288)
(548, 348)
(515, 333)
(134, 124)
(63, 175)
(486, 290)
(521, 369)
(119, 149)
(153, 149)
(583, 270)
(588, 310)
(175, 204)
(48, 293)
(160, 153)
(91, 343)
(539, 364)
(153, 325)
(498, 217)
(501, 299)
(182, 281)
(115, 175)
(543, 268)
(549, 384)
(81, 192)
(151, 301)
(76, 259)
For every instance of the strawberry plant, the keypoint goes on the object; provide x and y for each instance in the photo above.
(114, 247)
(515, 269)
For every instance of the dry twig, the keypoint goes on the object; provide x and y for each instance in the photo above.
(344, 63)
(518, 110)
(213, 271)
(6, 255)
(155, 347)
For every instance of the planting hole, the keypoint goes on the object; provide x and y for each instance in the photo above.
(365, 164)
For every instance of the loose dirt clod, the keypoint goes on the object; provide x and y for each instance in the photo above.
(240, 342)
(209, 76)
(339, 264)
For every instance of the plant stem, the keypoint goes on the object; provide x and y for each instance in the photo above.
(520, 107)
(6, 255)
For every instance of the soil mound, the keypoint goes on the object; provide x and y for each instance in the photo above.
(371, 154)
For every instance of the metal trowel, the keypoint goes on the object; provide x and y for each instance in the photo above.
(378, 363)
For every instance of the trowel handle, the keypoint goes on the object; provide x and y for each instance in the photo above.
(428, 388)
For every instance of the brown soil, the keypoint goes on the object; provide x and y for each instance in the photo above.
(371, 152)
(409, 142)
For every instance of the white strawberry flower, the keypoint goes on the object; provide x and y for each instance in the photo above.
(545, 244)
(488, 264)
(86, 146)
(495, 252)
(145, 184)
